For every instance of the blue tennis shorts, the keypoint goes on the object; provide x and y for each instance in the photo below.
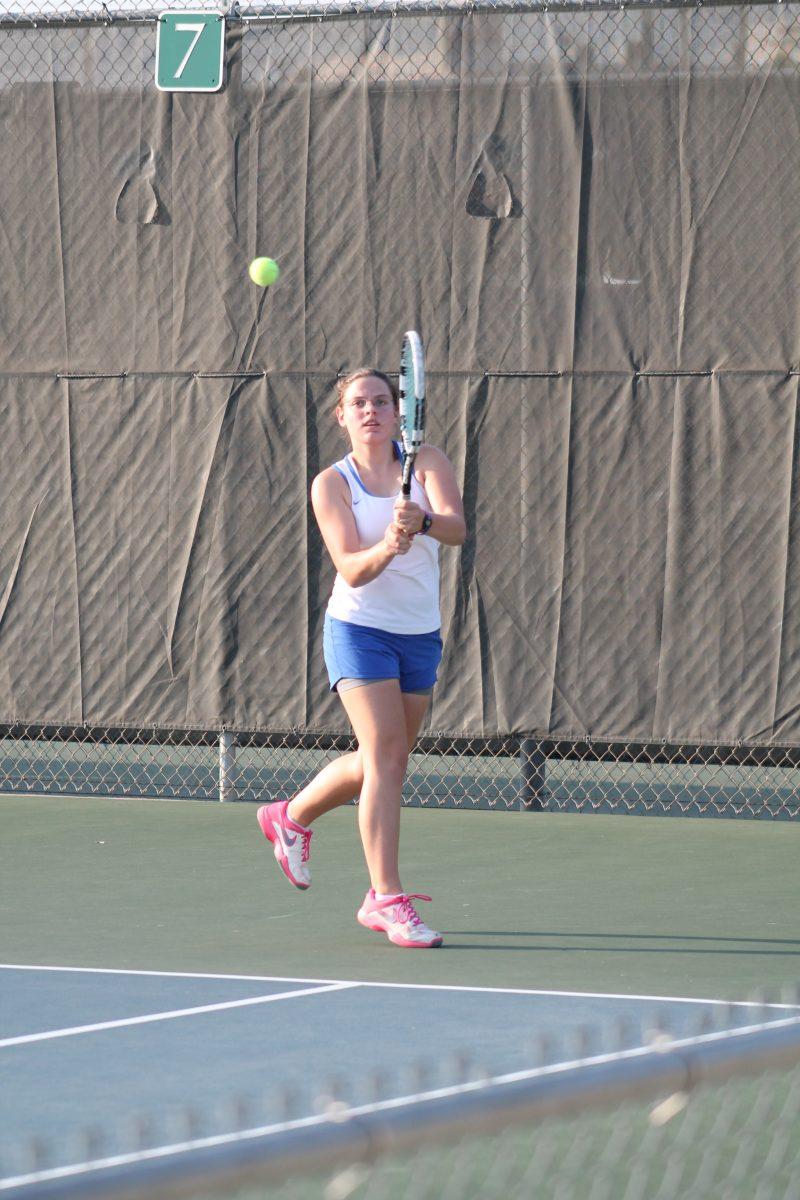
(358, 652)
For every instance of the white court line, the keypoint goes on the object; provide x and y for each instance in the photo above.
(440, 1093)
(430, 987)
(126, 1022)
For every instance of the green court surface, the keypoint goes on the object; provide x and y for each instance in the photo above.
(628, 905)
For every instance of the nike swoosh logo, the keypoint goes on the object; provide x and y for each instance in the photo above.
(287, 838)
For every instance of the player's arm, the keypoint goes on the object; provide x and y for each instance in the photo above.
(435, 472)
(330, 497)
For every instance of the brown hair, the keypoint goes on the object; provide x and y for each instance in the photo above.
(343, 383)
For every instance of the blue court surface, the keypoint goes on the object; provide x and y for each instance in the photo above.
(104, 1066)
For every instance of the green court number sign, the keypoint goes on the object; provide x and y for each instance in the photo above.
(190, 51)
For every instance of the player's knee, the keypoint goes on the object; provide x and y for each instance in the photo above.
(356, 768)
(389, 761)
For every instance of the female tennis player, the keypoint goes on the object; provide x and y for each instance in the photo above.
(381, 642)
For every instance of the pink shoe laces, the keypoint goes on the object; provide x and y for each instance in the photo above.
(406, 913)
(305, 834)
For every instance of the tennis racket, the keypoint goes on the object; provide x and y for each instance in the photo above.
(412, 403)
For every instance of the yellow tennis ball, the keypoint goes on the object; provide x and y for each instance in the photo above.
(263, 271)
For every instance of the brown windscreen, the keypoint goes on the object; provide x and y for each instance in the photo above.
(591, 217)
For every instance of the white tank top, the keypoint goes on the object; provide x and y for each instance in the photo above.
(404, 598)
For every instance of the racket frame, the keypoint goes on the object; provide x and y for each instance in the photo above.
(412, 403)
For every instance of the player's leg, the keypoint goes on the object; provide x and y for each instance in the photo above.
(377, 714)
(340, 781)
(354, 655)
(386, 717)
(286, 825)
(349, 651)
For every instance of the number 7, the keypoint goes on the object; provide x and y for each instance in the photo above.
(186, 27)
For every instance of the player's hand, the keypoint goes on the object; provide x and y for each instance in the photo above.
(408, 515)
(397, 539)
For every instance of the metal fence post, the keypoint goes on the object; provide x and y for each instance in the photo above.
(227, 765)
(532, 775)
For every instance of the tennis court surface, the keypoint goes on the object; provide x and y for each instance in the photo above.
(168, 1001)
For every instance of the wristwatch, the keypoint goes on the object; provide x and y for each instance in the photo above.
(427, 521)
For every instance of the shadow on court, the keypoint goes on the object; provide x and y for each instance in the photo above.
(710, 945)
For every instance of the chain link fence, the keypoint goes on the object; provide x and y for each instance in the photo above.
(110, 47)
(444, 772)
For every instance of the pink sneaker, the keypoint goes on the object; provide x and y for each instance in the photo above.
(291, 842)
(399, 920)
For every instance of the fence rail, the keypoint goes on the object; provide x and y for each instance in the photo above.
(745, 1140)
(109, 11)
